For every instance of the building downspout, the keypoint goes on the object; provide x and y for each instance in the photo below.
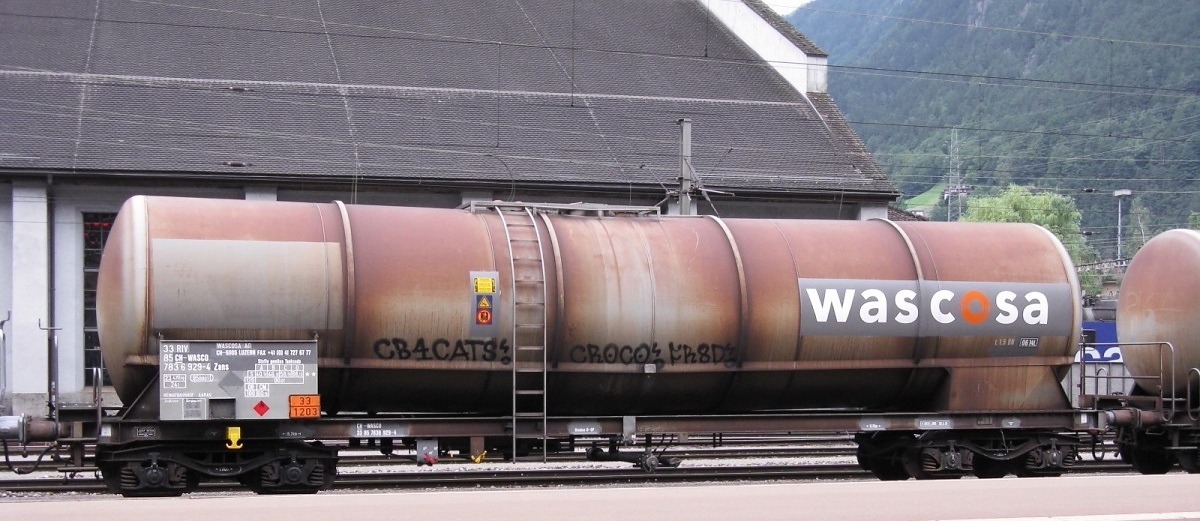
(51, 329)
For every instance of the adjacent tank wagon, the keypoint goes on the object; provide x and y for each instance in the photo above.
(1158, 323)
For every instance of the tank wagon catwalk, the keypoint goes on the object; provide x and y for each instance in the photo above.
(240, 345)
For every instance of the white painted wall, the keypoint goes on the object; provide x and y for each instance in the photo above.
(805, 73)
(29, 251)
(5, 294)
(872, 211)
(68, 289)
(25, 289)
(262, 193)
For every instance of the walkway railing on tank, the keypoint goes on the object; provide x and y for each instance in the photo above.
(1193, 412)
(567, 209)
(1163, 380)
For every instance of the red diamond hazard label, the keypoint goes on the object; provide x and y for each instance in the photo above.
(261, 408)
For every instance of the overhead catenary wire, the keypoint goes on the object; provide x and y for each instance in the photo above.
(389, 33)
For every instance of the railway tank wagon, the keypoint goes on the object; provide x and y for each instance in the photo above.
(1158, 323)
(240, 333)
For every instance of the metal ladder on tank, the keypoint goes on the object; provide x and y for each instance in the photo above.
(529, 362)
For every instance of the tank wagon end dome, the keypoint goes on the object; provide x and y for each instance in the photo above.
(121, 289)
(1158, 303)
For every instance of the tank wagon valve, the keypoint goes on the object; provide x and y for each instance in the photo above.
(233, 438)
(427, 452)
(427, 458)
(479, 458)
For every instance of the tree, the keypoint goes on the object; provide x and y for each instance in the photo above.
(1055, 212)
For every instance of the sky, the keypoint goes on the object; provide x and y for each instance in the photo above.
(785, 7)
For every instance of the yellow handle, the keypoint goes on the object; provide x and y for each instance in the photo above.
(234, 437)
(479, 458)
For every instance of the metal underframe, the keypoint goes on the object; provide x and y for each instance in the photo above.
(380, 427)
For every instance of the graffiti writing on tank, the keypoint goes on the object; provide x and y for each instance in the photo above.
(444, 350)
(652, 353)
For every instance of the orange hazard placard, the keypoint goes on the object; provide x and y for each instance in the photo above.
(483, 317)
(304, 406)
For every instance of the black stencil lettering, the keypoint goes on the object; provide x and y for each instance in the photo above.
(421, 350)
(440, 348)
(610, 353)
(381, 350)
(460, 351)
(578, 354)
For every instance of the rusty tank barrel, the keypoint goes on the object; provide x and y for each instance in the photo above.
(643, 314)
(1158, 303)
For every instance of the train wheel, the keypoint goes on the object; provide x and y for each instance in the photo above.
(987, 468)
(889, 470)
(1149, 461)
(920, 465)
(111, 474)
(290, 477)
(148, 479)
(1189, 460)
(864, 460)
(1021, 471)
(882, 455)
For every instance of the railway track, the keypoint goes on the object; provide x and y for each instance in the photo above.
(355, 459)
(455, 476)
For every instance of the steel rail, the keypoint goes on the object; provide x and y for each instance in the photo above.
(538, 477)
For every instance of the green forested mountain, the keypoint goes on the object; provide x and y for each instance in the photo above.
(1082, 97)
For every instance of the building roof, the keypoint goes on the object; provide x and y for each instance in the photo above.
(899, 214)
(489, 92)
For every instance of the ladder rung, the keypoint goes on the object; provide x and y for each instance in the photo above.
(528, 370)
(538, 415)
(530, 391)
(530, 347)
(531, 325)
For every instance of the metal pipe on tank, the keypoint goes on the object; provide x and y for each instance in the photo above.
(51, 368)
(4, 362)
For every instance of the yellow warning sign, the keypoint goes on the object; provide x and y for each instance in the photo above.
(483, 302)
(484, 284)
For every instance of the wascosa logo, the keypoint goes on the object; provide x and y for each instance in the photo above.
(909, 308)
